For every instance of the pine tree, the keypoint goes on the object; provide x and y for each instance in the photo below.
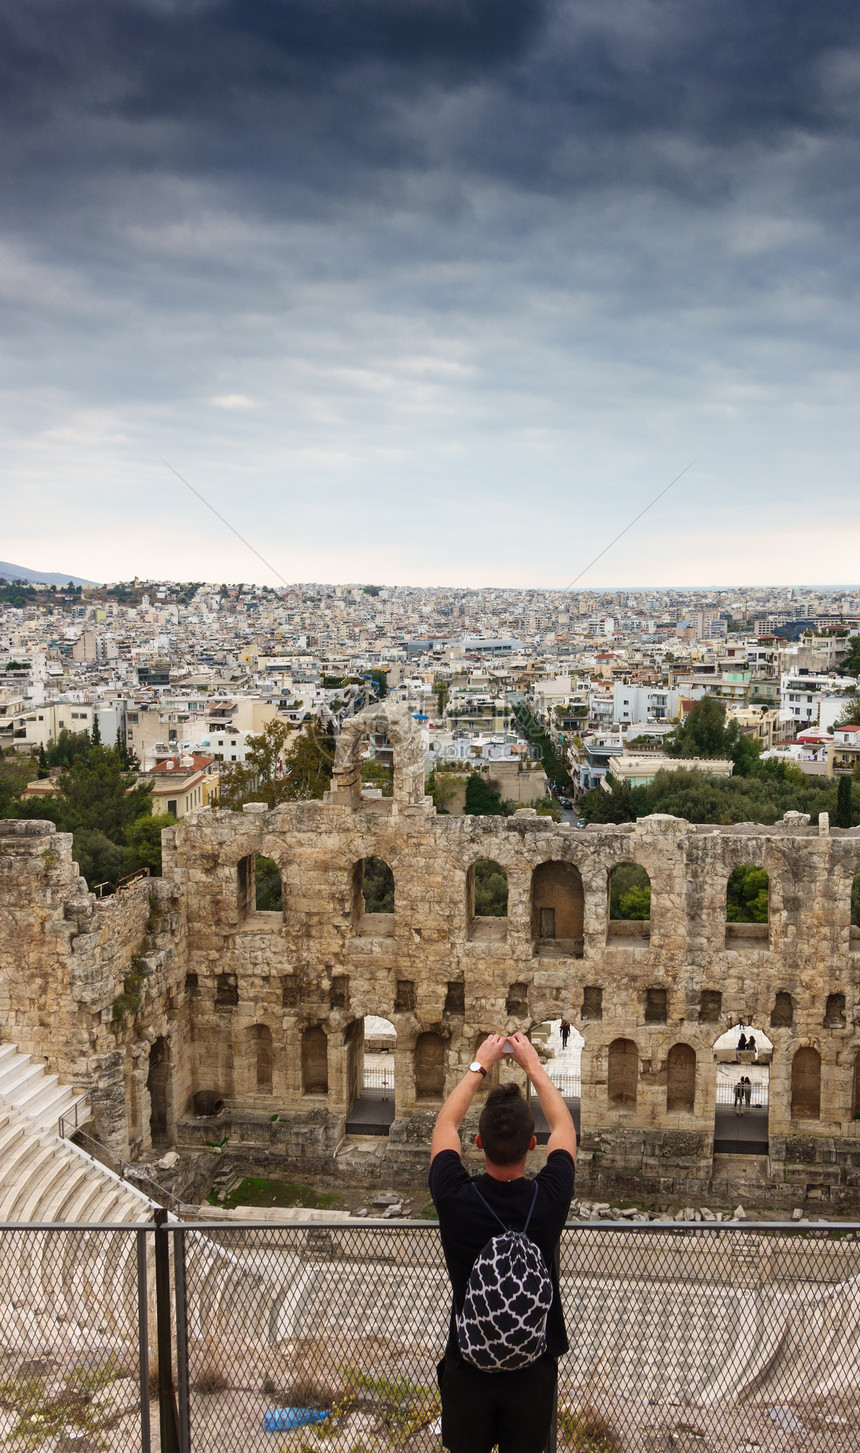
(844, 814)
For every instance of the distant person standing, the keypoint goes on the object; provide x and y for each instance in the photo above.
(739, 1097)
(747, 1090)
(565, 1033)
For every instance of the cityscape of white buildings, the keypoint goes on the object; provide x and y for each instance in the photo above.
(186, 673)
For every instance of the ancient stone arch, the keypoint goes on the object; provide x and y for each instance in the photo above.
(557, 908)
(681, 1078)
(806, 1084)
(622, 1077)
(394, 721)
(429, 1060)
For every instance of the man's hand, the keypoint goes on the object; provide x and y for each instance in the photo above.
(525, 1054)
(490, 1052)
(446, 1134)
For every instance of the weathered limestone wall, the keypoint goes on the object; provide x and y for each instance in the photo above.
(267, 1009)
(319, 967)
(66, 957)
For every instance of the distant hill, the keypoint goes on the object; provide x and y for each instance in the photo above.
(39, 577)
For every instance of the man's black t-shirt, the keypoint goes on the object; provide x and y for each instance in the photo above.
(467, 1226)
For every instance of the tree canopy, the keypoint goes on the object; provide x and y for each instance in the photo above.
(703, 733)
(280, 766)
(773, 789)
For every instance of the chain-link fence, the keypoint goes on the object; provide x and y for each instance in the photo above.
(713, 1337)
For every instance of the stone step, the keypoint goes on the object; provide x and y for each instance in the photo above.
(18, 1078)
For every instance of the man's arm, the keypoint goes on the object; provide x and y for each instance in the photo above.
(562, 1135)
(446, 1132)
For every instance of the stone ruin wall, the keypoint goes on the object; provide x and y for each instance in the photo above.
(66, 957)
(266, 1009)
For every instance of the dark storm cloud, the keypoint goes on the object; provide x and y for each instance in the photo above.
(476, 239)
(312, 93)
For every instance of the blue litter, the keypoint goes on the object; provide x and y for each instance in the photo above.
(280, 1420)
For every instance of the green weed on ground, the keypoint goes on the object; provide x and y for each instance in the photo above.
(256, 1191)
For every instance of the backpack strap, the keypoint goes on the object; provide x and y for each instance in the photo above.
(498, 1218)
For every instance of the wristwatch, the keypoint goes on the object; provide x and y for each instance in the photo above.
(478, 1068)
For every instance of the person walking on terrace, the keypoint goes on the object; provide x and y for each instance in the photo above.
(512, 1409)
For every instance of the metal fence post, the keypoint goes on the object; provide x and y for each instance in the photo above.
(552, 1436)
(167, 1417)
(143, 1341)
(182, 1341)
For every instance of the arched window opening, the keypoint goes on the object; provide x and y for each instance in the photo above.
(629, 922)
(315, 1061)
(487, 901)
(373, 898)
(681, 1078)
(254, 1068)
(371, 1051)
(834, 1012)
(157, 1083)
(623, 1072)
(560, 1045)
(854, 931)
(782, 1014)
(557, 910)
(429, 1066)
(743, 1055)
(244, 887)
(855, 1094)
(806, 1085)
(268, 890)
(747, 907)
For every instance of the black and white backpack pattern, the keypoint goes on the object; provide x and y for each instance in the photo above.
(502, 1323)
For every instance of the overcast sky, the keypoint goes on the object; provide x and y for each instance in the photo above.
(431, 291)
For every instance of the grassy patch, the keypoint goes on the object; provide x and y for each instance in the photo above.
(255, 1191)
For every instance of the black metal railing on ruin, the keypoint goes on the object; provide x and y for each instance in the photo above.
(712, 1336)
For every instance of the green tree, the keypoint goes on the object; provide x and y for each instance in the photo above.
(630, 892)
(267, 882)
(844, 814)
(99, 858)
(850, 715)
(96, 733)
(482, 800)
(69, 748)
(143, 843)
(441, 693)
(616, 805)
(378, 774)
(491, 889)
(701, 733)
(99, 794)
(551, 757)
(442, 787)
(378, 886)
(850, 664)
(262, 777)
(309, 763)
(747, 895)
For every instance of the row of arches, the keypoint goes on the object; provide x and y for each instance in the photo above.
(254, 1070)
(557, 899)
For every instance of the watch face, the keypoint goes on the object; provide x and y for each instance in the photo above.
(477, 1066)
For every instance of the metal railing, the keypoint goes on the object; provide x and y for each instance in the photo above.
(570, 1085)
(709, 1336)
(378, 1079)
(126, 1170)
(759, 1096)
